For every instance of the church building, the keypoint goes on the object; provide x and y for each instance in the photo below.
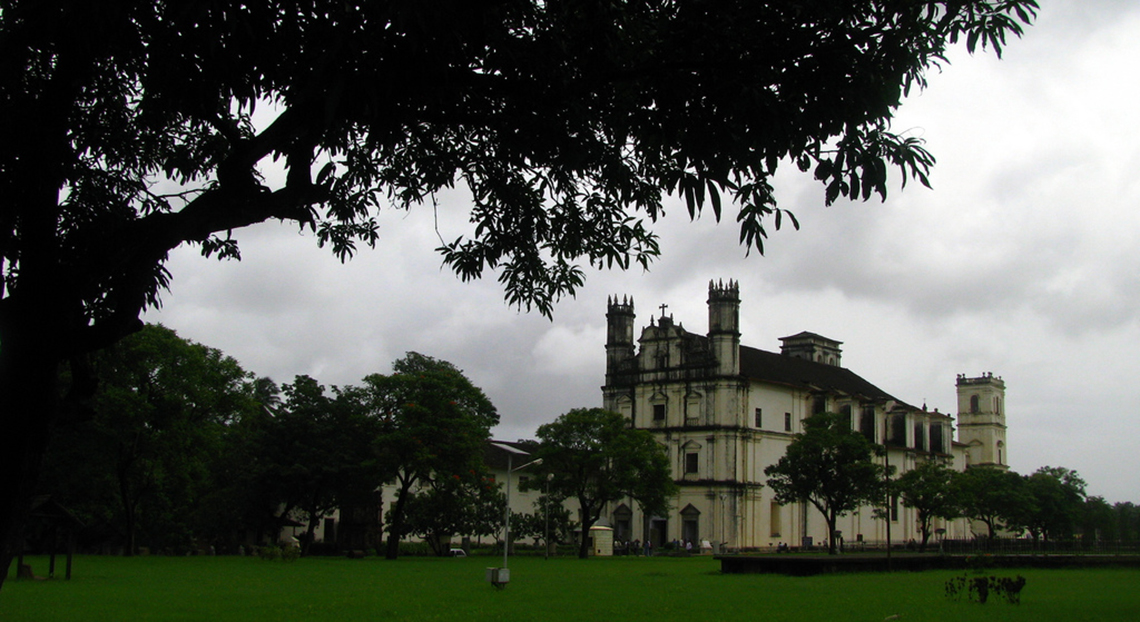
(724, 412)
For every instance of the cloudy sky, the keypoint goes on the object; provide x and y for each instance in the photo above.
(1022, 261)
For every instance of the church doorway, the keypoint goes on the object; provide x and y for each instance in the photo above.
(623, 521)
(690, 524)
(657, 530)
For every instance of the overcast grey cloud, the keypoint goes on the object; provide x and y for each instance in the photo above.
(1022, 261)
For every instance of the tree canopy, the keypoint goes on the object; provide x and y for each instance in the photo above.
(316, 453)
(141, 461)
(433, 424)
(592, 455)
(469, 504)
(829, 465)
(992, 496)
(1057, 500)
(927, 488)
(133, 127)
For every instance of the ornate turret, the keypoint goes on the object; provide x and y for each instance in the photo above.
(724, 326)
(619, 332)
(981, 420)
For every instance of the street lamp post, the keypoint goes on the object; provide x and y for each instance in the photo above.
(546, 517)
(890, 499)
(500, 578)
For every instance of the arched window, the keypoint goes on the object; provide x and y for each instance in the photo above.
(974, 404)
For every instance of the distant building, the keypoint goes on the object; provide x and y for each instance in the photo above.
(495, 458)
(724, 412)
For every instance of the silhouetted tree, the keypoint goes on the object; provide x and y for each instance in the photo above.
(433, 424)
(129, 130)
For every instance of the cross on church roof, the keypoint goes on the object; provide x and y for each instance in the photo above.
(663, 307)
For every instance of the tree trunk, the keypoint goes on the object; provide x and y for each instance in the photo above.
(310, 529)
(29, 406)
(925, 538)
(831, 519)
(924, 520)
(396, 523)
(588, 520)
(129, 505)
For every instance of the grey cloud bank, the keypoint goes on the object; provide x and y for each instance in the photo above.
(1022, 261)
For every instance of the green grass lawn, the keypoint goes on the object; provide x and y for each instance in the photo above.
(619, 589)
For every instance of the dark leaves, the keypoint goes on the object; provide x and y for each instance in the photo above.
(568, 123)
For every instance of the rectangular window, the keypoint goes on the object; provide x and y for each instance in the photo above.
(659, 412)
(787, 422)
(894, 508)
(759, 418)
(868, 423)
(936, 444)
(819, 405)
(691, 462)
(523, 479)
(898, 430)
(776, 523)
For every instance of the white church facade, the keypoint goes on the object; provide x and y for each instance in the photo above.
(724, 412)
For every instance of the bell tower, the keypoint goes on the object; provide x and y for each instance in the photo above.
(981, 420)
(619, 333)
(724, 326)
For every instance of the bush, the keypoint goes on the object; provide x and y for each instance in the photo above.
(979, 588)
(284, 553)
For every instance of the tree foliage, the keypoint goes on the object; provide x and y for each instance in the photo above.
(468, 504)
(829, 465)
(132, 127)
(316, 453)
(433, 423)
(927, 488)
(1057, 500)
(593, 456)
(550, 522)
(993, 496)
(141, 460)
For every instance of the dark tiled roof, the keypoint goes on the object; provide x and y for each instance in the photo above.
(796, 372)
(809, 335)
